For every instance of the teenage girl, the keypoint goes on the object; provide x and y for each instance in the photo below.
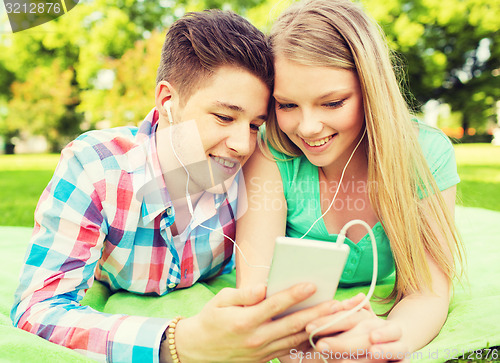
(343, 145)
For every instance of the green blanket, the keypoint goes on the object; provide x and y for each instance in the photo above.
(473, 321)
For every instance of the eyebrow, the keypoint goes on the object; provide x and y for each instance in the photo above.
(230, 106)
(336, 92)
(237, 109)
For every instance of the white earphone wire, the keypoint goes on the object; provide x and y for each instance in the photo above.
(338, 187)
(190, 204)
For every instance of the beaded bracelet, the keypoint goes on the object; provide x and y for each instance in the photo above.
(171, 339)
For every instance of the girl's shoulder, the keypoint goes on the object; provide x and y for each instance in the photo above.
(431, 135)
(434, 142)
(439, 154)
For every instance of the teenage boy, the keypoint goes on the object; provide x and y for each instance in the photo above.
(150, 209)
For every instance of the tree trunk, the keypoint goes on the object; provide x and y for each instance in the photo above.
(465, 123)
(9, 148)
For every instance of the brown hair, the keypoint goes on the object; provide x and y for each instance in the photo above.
(199, 43)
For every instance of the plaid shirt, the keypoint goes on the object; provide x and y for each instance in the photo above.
(106, 214)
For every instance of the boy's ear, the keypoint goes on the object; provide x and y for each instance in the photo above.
(164, 92)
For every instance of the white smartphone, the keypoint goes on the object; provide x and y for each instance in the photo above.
(300, 260)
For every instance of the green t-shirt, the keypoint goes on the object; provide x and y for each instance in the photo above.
(301, 188)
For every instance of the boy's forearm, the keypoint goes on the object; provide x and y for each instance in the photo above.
(421, 317)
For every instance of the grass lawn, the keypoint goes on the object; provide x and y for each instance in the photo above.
(23, 178)
(479, 169)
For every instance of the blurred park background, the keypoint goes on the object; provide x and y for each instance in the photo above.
(95, 67)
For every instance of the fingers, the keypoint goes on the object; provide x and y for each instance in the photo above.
(388, 333)
(297, 322)
(355, 338)
(280, 302)
(387, 344)
(341, 325)
(240, 297)
(356, 300)
(288, 332)
(340, 344)
(282, 347)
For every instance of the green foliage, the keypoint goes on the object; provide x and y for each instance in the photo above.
(111, 47)
(82, 42)
(451, 49)
(42, 103)
(131, 96)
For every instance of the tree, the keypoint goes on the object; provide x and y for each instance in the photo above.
(43, 105)
(111, 47)
(451, 49)
(126, 93)
(83, 42)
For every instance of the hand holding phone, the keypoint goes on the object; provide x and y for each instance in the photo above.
(300, 260)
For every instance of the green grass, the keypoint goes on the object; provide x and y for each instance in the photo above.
(479, 170)
(23, 178)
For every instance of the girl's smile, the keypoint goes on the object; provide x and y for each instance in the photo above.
(317, 146)
(320, 109)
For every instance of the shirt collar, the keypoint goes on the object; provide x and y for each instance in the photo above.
(151, 188)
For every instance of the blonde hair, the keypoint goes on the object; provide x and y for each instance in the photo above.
(337, 33)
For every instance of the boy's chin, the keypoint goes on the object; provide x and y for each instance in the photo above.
(221, 187)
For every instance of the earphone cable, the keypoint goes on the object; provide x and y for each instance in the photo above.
(191, 210)
(338, 187)
(368, 296)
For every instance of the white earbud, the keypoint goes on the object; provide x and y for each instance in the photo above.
(167, 105)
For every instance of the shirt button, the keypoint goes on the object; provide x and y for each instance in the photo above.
(172, 285)
(169, 211)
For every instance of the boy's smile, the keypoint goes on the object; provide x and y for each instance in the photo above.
(215, 130)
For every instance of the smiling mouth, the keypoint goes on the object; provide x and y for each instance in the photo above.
(320, 142)
(224, 162)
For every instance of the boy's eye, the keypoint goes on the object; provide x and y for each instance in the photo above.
(223, 118)
(286, 106)
(254, 127)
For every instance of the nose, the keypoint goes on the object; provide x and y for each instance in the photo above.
(239, 138)
(311, 123)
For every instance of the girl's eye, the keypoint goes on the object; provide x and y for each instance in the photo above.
(335, 104)
(224, 118)
(286, 106)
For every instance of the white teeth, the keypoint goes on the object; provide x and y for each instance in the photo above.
(319, 142)
(224, 162)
